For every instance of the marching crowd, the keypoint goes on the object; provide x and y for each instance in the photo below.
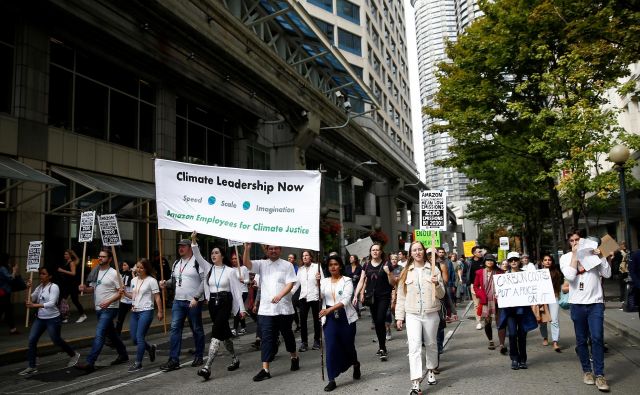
(415, 291)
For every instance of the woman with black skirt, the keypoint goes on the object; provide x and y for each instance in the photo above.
(224, 295)
(338, 318)
(377, 280)
(69, 279)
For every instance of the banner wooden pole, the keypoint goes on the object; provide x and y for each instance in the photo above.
(26, 322)
(115, 261)
(164, 290)
(238, 259)
(148, 233)
(433, 264)
(83, 263)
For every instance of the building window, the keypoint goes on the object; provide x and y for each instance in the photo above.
(348, 11)
(349, 42)
(326, 28)
(258, 158)
(7, 47)
(200, 137)
(324, 4)
(96, 98)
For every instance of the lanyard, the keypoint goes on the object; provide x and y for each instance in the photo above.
(217, 282)
(136, 291)
(42, 291)
(101, 278)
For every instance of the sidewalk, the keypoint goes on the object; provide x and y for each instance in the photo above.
(13, 348)
(622, 323)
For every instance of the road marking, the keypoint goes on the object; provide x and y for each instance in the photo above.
(80, 382)
(450, 334)
(132, 381)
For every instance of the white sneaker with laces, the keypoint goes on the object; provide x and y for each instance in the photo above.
(431, 378)
(242, 331)
(28, 371)
(81, 319)
(479, 326)
(65, 321)
(73, 361)
(233, 332)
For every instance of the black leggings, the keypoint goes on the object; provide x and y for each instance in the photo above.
(123, 310)
(379, 314)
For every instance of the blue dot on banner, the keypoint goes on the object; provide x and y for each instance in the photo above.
(246, 205)
(212, 200)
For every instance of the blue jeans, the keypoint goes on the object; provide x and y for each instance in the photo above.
(106, 328)
(588, 321)
(138, 327)
(52, 326)
(179, 312)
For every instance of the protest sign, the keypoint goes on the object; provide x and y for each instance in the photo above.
(262, 206)
(407, 247)
(586, 257)
(524, 288)
(468, 245)
(234, 243)
(85, 231)
(608, 245)
(360, 247)
(109, 230)
(433, 210)
(33, 256)
(425, 236)
(504, 243)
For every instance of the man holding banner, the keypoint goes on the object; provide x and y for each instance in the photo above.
(107, 293)
(587, 306)
(187, 278)
(275, 313)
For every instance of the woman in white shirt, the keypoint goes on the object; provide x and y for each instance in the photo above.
(418, 305)
(144, 291)
(45, 299)
(339, 322)
(243, 276)
(222, 289)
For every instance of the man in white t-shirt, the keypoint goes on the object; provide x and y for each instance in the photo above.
(402, 258)
(187, 277)
(527, 265)
(107, 289)
(587, 310)
(275, 313)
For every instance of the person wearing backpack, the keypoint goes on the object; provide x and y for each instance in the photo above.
(187, 278)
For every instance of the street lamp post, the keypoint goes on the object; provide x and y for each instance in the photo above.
(619, 155)
(339, 180)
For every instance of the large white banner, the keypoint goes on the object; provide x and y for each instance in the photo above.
(277, 207)
(524, 288)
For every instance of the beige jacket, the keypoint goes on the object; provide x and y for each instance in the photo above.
(418, 299)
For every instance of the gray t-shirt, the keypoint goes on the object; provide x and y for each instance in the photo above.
(105, 286)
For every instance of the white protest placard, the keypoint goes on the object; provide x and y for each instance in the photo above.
(279, 207)
(109, 230)
(234, 243)
(585, 254)
(33, 256)
(433, 210)
(407, 248)
(85, 231)
(360, 248)
(504, 243)
(524, 288)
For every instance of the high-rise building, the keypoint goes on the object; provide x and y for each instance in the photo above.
(439, 21)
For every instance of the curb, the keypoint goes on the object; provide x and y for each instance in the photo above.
(622, 330)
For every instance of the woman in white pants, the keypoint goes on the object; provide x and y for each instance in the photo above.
(417, 306)
(556, 279)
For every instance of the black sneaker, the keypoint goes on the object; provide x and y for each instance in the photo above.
(303, 347)
(87, 368)
(120, 359)
(503, 350)
(135, 367)
(255, 346)
(331, 386)
(316, 345)
(152, 352)
(515, 365)
(235, 364)
(383, 355)
(356, 371)
(295, 364)
(197, 362)
(204, 373)
(522, 365)
(262, 375)
(170, 365)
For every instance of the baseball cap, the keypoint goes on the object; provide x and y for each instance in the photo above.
(513, 254)
(184, 242)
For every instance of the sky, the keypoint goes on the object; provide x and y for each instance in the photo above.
(414, 88)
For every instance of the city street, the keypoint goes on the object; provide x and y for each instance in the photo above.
(467, 367)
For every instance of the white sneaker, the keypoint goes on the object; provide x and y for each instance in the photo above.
(65, 321)
(431, 378)
(388, 337)
(233, 332)
(81, 319)
(479, 326)
(242, 331)
(74, 360)
(28, 371)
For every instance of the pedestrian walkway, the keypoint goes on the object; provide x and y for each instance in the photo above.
(624, 324)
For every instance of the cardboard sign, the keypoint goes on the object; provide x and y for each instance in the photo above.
(85, 231)
(425, 236)
(504, 243)
(468, 245)
(608, 245)
(360, 247)
(433, 210)
(276, 207)
(524, 288)
(33, 256)
(109, 230)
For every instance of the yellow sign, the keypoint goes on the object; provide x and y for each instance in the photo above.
(425, 237)
(468, 245)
